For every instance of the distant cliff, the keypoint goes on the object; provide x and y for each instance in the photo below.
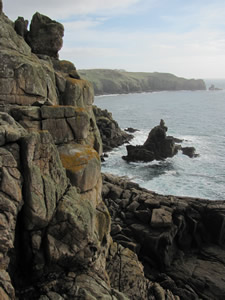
(107, 81)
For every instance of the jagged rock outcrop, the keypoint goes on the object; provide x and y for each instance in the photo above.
(45, 35)
(158, 146)
(20, 26)
(179, 240)
(111, 134)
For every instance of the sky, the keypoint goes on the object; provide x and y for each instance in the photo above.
(186, 38)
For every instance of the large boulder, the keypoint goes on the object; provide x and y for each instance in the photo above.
(45, 35)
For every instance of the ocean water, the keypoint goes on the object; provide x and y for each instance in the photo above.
(196, 117)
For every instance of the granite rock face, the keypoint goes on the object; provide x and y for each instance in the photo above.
(45, 36)
(54, 225)
(179, 240)
(111, 134)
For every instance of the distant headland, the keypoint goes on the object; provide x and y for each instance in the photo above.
(106, 81)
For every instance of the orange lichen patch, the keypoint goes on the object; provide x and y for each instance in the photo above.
(77, 158)
(70, 164)
(80, 109)
(81, 82)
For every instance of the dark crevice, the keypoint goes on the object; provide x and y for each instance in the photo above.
(20, 256)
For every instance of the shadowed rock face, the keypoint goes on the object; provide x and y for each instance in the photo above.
(45, 35)
(20, 26)
(111, 134)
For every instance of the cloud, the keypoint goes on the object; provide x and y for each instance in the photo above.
(186, 39)
(58, 9)
(197, 54)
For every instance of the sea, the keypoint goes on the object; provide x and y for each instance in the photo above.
(196, 117)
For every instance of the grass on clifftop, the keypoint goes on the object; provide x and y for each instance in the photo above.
(106, 81)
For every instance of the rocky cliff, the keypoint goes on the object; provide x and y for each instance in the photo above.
(55, 240)
(179, 240)
(111, 134)
(121, 82)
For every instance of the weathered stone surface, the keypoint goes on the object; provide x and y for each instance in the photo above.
(66, 67)
(20, 26)
(10, 39)
(70, 236)
(179, 240)
(111, 134)
(19, 69)
(11, 201)
(59, 129)
(161, 217)
(45, 179)
(130, 279)
(16, 84)
(82, 165)
(66, 124)
(6, 289)
(45, 35)
(78, 93)
(10, 131)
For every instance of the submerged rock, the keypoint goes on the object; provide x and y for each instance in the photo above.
(131, 130)
(189, 151)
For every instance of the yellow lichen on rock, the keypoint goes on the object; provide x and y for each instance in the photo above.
(82, 164)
